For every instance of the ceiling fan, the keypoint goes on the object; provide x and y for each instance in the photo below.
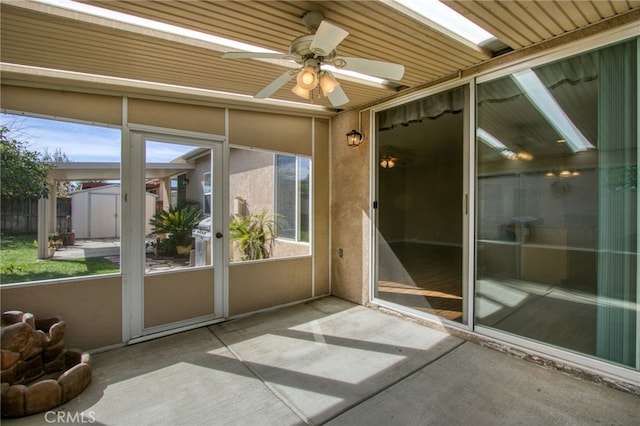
(313, 51)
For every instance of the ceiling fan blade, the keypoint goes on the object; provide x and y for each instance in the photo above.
(327, 37)
(380, 69)
(337, 97)
(270, 88)
(257, 55)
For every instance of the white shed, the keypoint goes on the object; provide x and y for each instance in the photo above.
(94, 212)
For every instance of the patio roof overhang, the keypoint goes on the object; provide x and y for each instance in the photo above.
(73, 171)
(46, 44)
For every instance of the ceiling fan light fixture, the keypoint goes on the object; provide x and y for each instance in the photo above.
(387, 162)
(301, 91)
(328, 83)
(307, 78)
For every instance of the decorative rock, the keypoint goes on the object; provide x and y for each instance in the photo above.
(42, 396)
(13, 337)
(57, 364)
(74, 381)
(12, 317)
(8, 358)
(34, 368)
(56, 331)
(13, 398)
(52, 352)
(30, 349)
(15, 373)
(29, 319)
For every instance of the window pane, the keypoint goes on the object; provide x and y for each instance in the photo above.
(206, 188)
(178, 232)
(75, 231)
(557, 204)
(286, 196)
(263, 186)
(304, 178)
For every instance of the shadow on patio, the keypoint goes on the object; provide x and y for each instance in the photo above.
(330, 361)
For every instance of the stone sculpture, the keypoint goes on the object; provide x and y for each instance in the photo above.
(38, 372)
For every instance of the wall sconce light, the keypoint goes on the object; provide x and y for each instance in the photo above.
(354, 138)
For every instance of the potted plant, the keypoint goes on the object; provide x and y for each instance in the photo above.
(69, 238)
(70, 234)
(55, 240)
(51, 247)
(177, 223)
(253, 235)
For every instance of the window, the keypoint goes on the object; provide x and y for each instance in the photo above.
(292, 197)
(173, 194)
(557, 214)
(81, 211)
(270, 205)
(206, 190)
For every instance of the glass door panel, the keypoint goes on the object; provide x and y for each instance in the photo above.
(557, 215)
(181, 256)
(419, 239)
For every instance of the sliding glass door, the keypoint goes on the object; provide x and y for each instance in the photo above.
(557, 215)
(420, 213)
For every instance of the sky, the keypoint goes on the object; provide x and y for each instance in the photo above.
(81, 142)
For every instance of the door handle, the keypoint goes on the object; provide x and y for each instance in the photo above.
(219, 235)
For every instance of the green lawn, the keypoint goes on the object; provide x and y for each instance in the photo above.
(19, 263)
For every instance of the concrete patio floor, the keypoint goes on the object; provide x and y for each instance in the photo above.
(330, 362)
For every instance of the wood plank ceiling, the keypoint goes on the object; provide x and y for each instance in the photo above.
(35, 35)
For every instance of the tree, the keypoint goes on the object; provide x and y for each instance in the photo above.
(64, 188)
(23, 173)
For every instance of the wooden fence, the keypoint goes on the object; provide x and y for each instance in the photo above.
(20, 216)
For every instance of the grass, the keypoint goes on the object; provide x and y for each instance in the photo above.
(19, 263)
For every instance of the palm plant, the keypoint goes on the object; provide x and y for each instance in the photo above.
(253, 235)
(179, 222)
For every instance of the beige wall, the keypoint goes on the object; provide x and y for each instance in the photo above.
(194, 118)
(350, 222)
(91, 308)
(178, 296)
(270, 131)
(260, 285)
(59, 103)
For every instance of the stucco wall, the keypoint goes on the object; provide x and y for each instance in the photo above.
(350, 207)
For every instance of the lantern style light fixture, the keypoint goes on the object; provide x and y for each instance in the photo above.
(354, 138)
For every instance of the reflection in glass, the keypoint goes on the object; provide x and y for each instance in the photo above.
(557, 232)
(178, 225)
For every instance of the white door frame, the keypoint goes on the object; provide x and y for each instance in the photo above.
(466, 205)
(133, 229)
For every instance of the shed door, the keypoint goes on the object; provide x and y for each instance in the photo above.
(103, 211)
